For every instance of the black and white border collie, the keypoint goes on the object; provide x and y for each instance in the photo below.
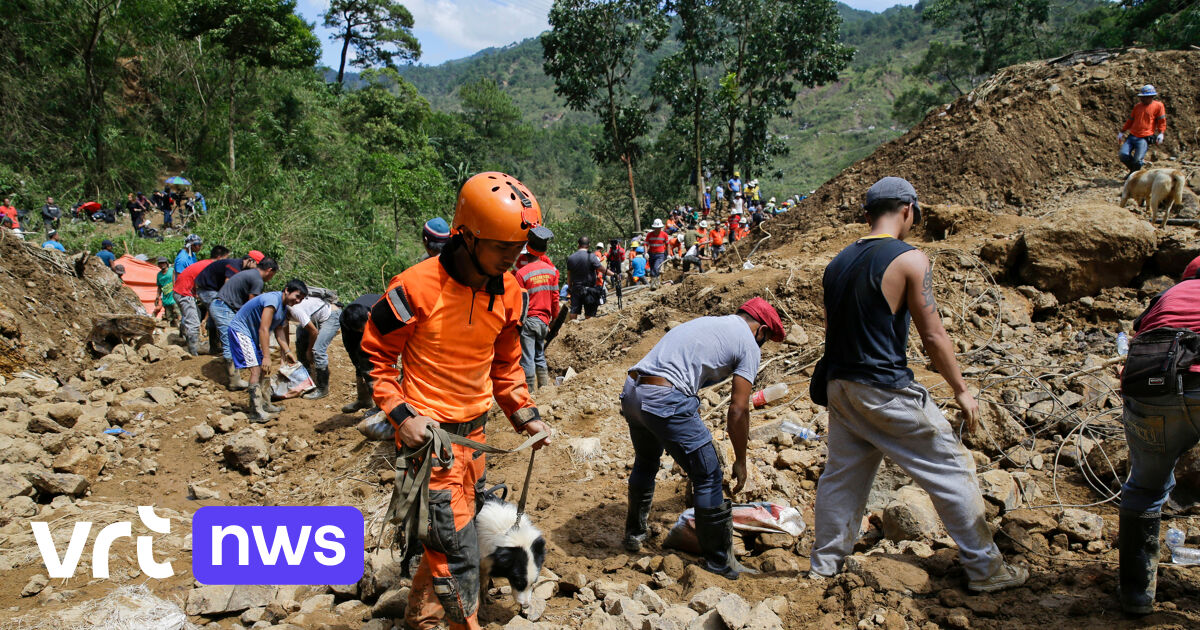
(509, 547)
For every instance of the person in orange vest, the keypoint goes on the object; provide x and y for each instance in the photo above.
(717, 236)
(454, 321)
(539, 277)
(656, 249)
(1145, 126)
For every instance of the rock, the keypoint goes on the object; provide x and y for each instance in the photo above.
(40, 424)
(246, 450)
(162, 395)
(707, 599)
(19, 507)
(317, 603)
(222, 424)
(80, 462)
(998, 429)
(676, 618)
(796, 336)
(203, 432)
(224, 599)
(707, 621)
(911, 516)
(1032, 521)
(58, 483)
(889, 574)
(673, 566)
(13, 483)
(35, 585)
(65, 413)
(734, 611)
(652, 601)
(999, 487)
(392, 604)
(185, 382)
(1084, 249)
(1080, 525)
(606, 588)
(625, 605)
(520, 623)
(762, 617)
(200, 493)
(572, 582)
(352, 610)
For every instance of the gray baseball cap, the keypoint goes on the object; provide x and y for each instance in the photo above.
(894, 188)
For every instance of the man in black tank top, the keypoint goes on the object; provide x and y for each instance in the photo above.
(873, 290)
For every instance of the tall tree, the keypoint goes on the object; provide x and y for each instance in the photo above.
(501, 136)
(380, 31)
(250, 34)
(1003, 31)
(683, 77)
(590, 50)
(770, 46)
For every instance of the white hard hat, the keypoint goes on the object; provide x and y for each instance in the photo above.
(657, 223)
(704, 224)
(772, 200)
(735, 211)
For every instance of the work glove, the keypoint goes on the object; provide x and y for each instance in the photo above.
(1158, 139)
(1120, 136)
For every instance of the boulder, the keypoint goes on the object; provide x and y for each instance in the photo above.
(911, 516)
(13, 483)
(1081, 525)
(162, 395)
(246, 451)
(65, 413)
(998, 429)
(999, 487)
(224, 599)
(885, 573)
(762, 617)
(203, 432)
(1084, 249)
(676, 618)
(734, 611)
(707, 599)
(54, 484)
(80, 462)
(650, 599)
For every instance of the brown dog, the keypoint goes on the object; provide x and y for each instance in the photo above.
(1155, 185)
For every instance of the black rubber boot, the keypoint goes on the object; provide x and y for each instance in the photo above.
(1138, 542)
(321, 378)
(236, 383)
(531, 383)
(543, 377)
(714, 528)
(362, 386)
(640, 498)
(258, 414)
(193, 343)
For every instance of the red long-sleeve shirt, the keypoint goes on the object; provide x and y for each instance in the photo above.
(540, 279)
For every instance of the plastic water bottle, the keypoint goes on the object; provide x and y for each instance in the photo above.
(768, 395)
(1122, 344)
(1179, 553)
(804, 433)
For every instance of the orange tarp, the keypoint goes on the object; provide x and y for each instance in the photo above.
(142, 277)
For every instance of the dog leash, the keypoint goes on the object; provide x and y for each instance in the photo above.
(525, 488)
(408, 509)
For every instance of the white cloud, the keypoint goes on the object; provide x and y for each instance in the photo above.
(478, 24)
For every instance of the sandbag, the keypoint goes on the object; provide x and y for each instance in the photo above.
(291, 381)
(761, 517)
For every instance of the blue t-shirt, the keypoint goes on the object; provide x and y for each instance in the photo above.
(184, 258)
(54, 245)
(249, 317)
(106, 256)
(639, 267)
(703, 352)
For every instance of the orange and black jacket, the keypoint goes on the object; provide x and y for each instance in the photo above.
(460, 347)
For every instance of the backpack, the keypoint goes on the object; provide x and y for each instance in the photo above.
(1157, 362)
(329, 295)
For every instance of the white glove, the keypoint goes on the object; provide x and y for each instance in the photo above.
(1120, 136)
(1158, 139)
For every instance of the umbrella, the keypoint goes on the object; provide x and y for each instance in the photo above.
(178, 181)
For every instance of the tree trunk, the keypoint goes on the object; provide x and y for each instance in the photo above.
(696, 136)
(232, 82)
(637, 217)
(345, 47)
(95, 95)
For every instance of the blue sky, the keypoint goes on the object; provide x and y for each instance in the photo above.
(451, 29)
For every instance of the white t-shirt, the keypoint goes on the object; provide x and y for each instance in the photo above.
(310, 309)
(692, 251)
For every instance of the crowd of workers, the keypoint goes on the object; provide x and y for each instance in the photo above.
(469, 323)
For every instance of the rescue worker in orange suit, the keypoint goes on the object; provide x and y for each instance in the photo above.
(539, 277)
(453, 322)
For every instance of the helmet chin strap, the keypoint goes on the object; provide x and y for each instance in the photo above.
(474, 259)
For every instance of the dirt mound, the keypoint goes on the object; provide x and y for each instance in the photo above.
(48, 304)
(1022, 135)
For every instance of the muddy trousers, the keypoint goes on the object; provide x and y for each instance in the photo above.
(448, 575)
(189, 325)
(866, 423)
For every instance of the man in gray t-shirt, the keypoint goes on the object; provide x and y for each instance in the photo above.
(236, 291)
(661, 405)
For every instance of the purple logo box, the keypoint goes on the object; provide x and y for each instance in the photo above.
(277, 545)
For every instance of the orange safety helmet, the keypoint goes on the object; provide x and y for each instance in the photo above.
(496, 206)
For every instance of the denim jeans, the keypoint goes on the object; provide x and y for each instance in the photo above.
(664, 418)
(222, 314)
(656, 262)
(326, 331)
(533, 345)
(1158, 431)
(205, 299)
(1133, 151)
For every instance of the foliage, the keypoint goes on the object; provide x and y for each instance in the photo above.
(591, 51)
(1002, 31)
(379, 31)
